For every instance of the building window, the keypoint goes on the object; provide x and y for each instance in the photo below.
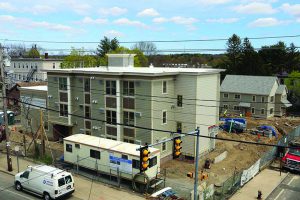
(271, 111)
(128, 118)
(164, 87)
(253, 110)
(111, 117)
(63, 97)
(272, 99)
(253, 98)
(236, 108)
(128, 88)
(69, 148)
(262, 111)
(87, 124)
(164, 116)
(237, 96)
(77, 146)
(135, 164)
(95, 154)
(87, 98)
(262, 99)
(111, 87)
(225, 95)
(225, 106)
(179, 127)
(63, 110)
(164, 146)
(46, 125)
(152, 161)
(62, 83)
(87, 112)
(87, 85)
(179, 100)
(53, 65)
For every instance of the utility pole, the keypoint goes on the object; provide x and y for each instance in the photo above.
(196, 165)
(6, 130)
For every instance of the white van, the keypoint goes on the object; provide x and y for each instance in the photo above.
(46, 181)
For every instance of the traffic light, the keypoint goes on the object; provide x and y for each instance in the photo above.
(144, 158)
(176, 147)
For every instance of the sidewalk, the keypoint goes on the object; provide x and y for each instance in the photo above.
(82, 185)
(266, 181)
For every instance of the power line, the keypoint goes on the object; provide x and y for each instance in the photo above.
(154, 41)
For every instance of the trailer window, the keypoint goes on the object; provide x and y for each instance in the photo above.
(61, 182)
(125, 157)
(135, 164)
(152, 161)
(69, 148)
(94, 154)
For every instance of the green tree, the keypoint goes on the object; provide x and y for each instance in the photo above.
(106, 45)
(234, 50)
(293, 85)
(33, 52)
(78, 59)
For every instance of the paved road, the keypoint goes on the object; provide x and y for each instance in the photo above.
(7, 190)
(289, 189)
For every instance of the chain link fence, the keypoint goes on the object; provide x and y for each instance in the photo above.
(232, 184)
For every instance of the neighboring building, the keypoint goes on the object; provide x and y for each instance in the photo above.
(176, 99)
(31, 115)
(30, 69)
(13, 94)
(258, 96)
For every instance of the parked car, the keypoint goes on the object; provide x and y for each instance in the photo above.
(46, 181)
(233, 127)
(165, 193)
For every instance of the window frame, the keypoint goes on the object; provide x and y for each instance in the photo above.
(69, 147)
(179, 100)
(254, 98)
(111, 117)
(262, 111)
(236, 108)
(127, 118)
(111, 87)
(128, 88)
(252, 110)
(225, 106)
(95, 154)
(225, 95)
(65, 111)
(239, 96)
(63, 83)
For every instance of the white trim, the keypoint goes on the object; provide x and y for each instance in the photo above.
(253, 109)
(118, 115)
(254, 98)
(69, 99)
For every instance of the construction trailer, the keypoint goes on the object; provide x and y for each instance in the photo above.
(110, 157)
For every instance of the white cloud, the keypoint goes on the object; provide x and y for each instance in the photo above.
(125, 21)
(291, 9)
(113, 33)
(88, 20)
(160, 20)
(266, 22)
(176, 20)
(223, 20)
(41, 9)
(77, 7)
(7, 18)
(6, 6)
(255, 8)
(213, 2)
(149, 12)
(114, 11)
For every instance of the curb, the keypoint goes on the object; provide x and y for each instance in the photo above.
(6, 172)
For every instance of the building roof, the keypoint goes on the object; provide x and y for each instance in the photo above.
(36, 59)
(139, 71)
(27, 84)
(259, 85)
(36, 88)
(281, 89)
(103, 143)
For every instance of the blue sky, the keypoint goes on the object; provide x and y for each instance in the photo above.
(128, 20)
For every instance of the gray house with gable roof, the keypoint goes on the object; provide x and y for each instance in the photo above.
(257, 96)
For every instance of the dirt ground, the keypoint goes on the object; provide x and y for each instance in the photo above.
(240, 156)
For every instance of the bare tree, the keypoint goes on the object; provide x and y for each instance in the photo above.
(148, 48)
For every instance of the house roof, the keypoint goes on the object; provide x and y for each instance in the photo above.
(280, 89)
(138, 71)
(259, 85)
(36, 88)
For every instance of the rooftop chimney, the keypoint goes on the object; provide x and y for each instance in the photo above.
(120, 60)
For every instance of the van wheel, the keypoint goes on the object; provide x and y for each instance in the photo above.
(47, 196)
(18, 186)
